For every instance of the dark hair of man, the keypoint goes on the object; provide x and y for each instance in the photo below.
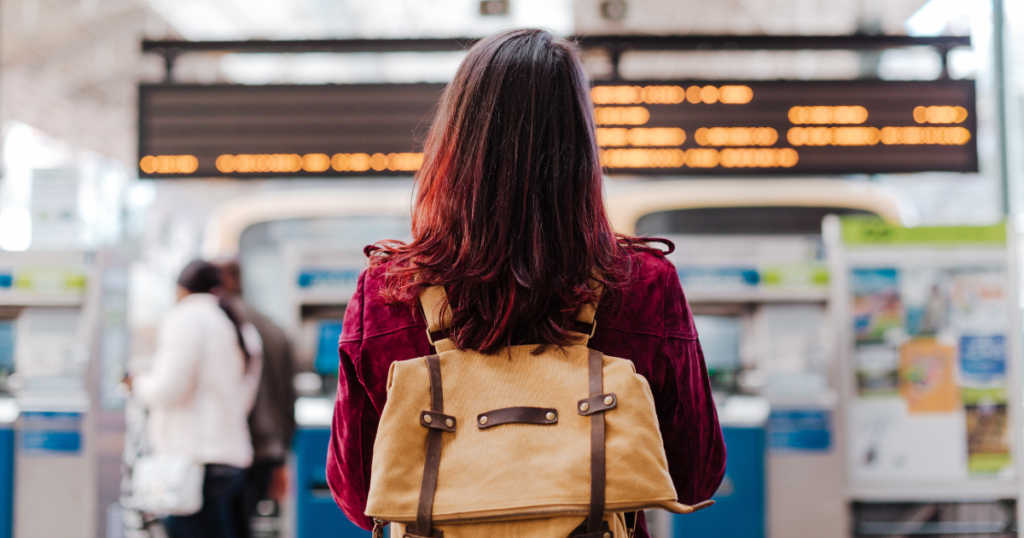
(508, 212)
(203, 277)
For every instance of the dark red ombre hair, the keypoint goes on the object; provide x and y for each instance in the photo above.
(508, 213)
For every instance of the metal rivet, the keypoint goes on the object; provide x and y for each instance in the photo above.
(450, 423)
(584, 406)
(550, 416)
(608, 400)
(483, 420)
(427, 418)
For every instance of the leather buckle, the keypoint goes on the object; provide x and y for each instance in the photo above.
(437, 421)
(597, 404)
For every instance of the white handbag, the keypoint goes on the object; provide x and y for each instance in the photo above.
(167, 484)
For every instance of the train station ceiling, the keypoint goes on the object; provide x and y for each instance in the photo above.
(70, 67)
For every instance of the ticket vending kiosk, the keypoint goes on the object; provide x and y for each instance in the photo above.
(62, 344)
(321, 285)
(302, 272)
(755, 269)
(928, 321)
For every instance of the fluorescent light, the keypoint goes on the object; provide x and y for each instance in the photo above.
(931, 19)
(15, 229)
(915, 63)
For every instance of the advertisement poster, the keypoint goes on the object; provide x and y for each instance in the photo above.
(877, 371)
(927, 377)
(876, 303)
(979, 300)
(925, 295)
(988, 435)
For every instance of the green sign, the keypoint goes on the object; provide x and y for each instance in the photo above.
(864, 230)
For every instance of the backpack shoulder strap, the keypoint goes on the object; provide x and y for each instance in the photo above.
(439, 319)
(438, 316)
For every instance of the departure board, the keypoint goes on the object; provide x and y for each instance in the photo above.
(664, 128)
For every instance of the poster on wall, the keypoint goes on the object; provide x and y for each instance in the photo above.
(876, 304)
(988, 435)
(927, 377)
(930, 355)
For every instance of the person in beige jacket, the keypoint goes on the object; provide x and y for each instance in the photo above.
(199, 390)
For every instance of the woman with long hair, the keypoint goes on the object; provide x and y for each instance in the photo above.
(509, 218)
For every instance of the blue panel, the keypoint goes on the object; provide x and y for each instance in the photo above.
(327, 349)
(6, 280)
(50, 433)
(7, 345)
(800, 430)
(719, 277)
(316, 513)
(6, 482)
(51, 442)
(315, 278)
(739, 511)
(983, 358)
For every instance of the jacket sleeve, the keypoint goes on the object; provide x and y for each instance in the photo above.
(689, 422)
(354, 425)
(173, 373)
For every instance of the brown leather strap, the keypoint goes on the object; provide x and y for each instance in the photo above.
(702, 505)
(520, 415)
(433, 461)
(597, 404)
(438, 316)
(597, 468)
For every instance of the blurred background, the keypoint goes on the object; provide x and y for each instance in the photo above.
(842, 180)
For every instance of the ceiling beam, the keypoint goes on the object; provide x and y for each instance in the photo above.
(620, 42)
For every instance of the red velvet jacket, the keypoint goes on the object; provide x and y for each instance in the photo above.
(653, 327)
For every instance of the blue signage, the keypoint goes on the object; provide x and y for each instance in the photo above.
(719, 277)
(983, 358)
(50, 433)
(7, 345)
(328, 278)
(800, 430)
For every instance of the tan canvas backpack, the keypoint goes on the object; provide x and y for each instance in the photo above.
(564, 443)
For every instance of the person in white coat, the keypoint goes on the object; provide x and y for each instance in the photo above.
(199, 391)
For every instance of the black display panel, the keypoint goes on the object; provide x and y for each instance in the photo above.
(283, 130)
(666, 128)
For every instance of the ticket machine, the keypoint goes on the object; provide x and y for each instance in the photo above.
(62, 347)
(301, 254)
(754, 268)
